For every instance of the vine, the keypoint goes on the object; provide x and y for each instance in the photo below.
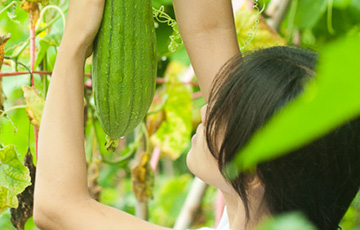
(175, 38)
(8, 6)
(252, 34)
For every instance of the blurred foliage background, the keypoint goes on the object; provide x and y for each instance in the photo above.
(311, 24)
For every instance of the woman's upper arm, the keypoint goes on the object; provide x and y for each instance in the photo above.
(208, 30)
(92, 215)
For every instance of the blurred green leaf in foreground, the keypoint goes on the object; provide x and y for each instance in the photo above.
(328, 101)
(289, 221)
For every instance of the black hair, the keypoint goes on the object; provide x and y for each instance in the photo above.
(320, 179)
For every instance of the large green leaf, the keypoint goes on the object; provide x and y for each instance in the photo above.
(14, 177)
(342, 3)
(309, 12)
(158, 3)
(328, 101)
(292, 221)
(174, 133)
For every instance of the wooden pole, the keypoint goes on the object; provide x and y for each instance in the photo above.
(192, 204)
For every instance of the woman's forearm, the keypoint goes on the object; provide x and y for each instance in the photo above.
(61, 167)
(208, 30)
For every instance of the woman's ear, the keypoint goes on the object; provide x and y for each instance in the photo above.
(254, 184)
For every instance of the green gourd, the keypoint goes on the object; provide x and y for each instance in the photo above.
(124, 66)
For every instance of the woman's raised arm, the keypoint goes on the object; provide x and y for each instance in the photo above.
(62, 200)
(208, 31)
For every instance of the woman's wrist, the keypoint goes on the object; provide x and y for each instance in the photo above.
(72, 48)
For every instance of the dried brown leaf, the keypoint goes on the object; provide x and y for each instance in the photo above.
(43, 2)
(33, 9)
(23, 212)
(3, 40)
(142, 178)
(154, 121)
(93, 176)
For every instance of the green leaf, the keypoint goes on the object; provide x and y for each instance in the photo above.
(158, 3)
(342, 3)
(328, 101)
(45, 43)
(174, 133)
(5, 222)
(292, 221)
(14, 177)
(309, 12)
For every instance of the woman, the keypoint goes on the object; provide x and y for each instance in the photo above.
(320, 179)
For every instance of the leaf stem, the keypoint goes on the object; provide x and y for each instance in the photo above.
(8, 6)
(146, 135)
(166, 97)
(42, 13)
(329, 17)
(3, 113)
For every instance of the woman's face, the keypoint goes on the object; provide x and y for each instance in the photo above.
(201, 162)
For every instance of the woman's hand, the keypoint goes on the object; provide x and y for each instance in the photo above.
(83, 22)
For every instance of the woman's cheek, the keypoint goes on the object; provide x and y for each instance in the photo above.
(203, 165)
(194, 158)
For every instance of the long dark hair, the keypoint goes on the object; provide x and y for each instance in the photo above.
(320, 179)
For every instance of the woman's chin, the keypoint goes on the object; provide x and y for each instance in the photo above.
(191, 161)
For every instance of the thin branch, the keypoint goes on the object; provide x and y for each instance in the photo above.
(277, 11)
(8, 6)
(8, 74)
(192, 204)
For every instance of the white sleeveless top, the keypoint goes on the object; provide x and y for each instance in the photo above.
(223, 225)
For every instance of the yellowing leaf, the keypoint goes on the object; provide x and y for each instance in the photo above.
(156, 113)
(173, 136)
(14, 177)
(265, 36)
(142, 178)
(7, 200)
(34, 105)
